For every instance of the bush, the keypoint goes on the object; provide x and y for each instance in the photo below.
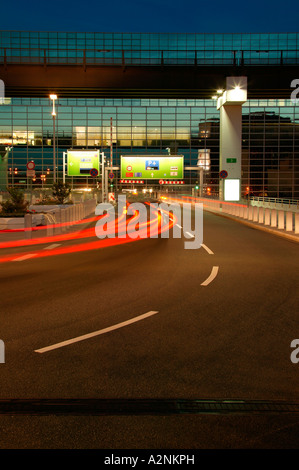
(16, 205)
(61, 191)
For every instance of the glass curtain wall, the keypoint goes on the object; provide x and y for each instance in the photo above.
(151, 49)
(270, 149)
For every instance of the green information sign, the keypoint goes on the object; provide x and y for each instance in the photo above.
(152, 167)
(231, 160)
(80, 162)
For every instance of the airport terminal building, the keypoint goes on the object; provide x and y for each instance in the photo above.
(149, 94)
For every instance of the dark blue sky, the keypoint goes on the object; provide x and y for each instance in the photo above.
(189, 16)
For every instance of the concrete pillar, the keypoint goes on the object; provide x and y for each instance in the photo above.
(273, 218)
(281, 220)
(289, 221)
(261, 215)
(255, 214)
(297, 223)
(267, 216)
(230, 151)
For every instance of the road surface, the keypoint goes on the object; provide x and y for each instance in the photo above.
(150, 320)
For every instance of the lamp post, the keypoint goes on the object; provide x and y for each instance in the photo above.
(54, 98)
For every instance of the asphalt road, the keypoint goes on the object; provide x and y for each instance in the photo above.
(227, 340)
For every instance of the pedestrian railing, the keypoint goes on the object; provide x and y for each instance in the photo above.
(147, 57)
(275, 203)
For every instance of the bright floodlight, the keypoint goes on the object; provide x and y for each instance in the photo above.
(53, 98)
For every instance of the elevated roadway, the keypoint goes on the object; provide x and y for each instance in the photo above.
(144, 74)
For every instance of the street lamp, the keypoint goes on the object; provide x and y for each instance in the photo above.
(54, 98)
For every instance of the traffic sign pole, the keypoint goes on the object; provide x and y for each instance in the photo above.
(201, 182)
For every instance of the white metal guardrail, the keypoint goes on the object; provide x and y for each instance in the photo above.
(284, 220)
(276, 218)
(275, 203)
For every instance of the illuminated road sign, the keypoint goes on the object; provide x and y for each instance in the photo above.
(81, 162)
(152, 167)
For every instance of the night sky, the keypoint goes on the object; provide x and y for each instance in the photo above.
(188, 16)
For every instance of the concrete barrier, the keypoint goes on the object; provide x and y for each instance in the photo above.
(28, 225)
(289, 221)
(261, 215)
(11, 223)
(55, 219)
(284, 220)
(281, 218)
(273, 218)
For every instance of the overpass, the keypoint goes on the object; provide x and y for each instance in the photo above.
(137, 73)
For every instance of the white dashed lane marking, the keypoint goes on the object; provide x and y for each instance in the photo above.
(23, 258)
(211, 277)
(51, 247)
(205, 247)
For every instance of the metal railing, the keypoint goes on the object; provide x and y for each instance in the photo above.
(132, 57)
(279, 220)
(275, 202)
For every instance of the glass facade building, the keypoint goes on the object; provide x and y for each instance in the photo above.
(188, 127)
(139, 48)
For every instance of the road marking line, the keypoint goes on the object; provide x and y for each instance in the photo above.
(51, 247)
(211, 277)
(178, 226)
(190, 234)
(207, 249)
(96, 333)
(23, 258)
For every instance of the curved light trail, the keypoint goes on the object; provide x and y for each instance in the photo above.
(150, 228)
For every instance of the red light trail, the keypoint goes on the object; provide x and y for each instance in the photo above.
(148, 229)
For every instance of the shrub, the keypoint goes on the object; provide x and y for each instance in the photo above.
(61, 191)
(16, 205)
